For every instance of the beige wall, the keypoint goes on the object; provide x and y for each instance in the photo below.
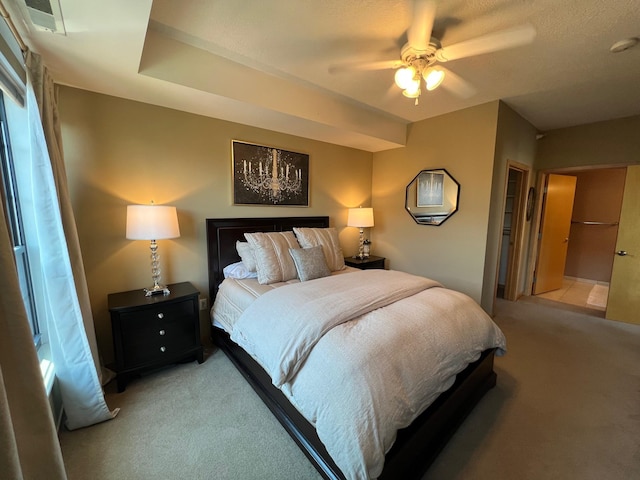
(462, 142)
(614, 142)
(515, 142)
(120, 152)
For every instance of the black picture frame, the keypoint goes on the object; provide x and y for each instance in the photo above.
(264, 175)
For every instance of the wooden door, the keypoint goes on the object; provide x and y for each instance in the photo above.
(624, 289)
(554, 232)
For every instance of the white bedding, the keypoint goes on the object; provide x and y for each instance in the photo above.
(359, 373)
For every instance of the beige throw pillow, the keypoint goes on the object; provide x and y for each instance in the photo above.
(246, 255)
(327, 238)
(273, 261)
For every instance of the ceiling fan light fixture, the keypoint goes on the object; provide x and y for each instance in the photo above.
(413, 91)
(404, 77)
(433, 77)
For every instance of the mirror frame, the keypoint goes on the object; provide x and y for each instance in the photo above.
(447, 196)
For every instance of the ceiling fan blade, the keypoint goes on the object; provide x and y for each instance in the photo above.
(456, 85)
(419, 34)
(366, 66)
(492, 42)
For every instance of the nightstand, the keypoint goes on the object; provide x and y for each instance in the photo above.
(153, 331)
(366, 263)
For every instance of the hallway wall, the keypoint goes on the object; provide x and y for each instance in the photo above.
(609, 143)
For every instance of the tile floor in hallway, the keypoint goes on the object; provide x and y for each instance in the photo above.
(580, 292)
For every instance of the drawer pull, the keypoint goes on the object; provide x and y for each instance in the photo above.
(163, 349)
(161, 315)
(161, 332)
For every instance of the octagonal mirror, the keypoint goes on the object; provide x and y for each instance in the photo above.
(432, 197)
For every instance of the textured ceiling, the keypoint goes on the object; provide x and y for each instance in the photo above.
(267, 63)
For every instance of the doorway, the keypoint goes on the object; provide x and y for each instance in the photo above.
(513, 222)
(593, 230)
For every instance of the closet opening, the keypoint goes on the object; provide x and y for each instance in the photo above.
(511, 245)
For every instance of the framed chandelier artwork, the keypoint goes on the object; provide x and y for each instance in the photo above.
(269, 176)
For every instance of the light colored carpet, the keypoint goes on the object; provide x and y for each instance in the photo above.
(566, 406)
(188, 422)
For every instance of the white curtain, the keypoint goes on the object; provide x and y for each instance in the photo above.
(69, 319)
(29, 446)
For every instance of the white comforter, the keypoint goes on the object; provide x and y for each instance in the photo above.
(361, 355)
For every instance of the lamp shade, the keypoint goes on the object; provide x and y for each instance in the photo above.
(360, 217)
(152, 222)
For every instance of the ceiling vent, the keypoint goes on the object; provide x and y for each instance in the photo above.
(46, 15)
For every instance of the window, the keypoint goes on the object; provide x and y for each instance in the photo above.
(12, 206)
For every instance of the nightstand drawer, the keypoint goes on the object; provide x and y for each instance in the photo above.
(155, 320)
(141, 353)
(158, 344)
(156, 315)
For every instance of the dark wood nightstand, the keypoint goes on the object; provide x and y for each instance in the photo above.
(153, 331)
(366, 263)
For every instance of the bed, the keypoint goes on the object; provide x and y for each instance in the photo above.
(415, 446)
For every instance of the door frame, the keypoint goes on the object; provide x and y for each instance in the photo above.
(518, 224)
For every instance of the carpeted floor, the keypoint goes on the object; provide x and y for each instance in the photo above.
(567, 406)
(567, 403)
(190, 422)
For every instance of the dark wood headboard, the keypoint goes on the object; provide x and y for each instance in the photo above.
(222, 234)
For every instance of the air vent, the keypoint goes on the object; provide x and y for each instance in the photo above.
(46, 15)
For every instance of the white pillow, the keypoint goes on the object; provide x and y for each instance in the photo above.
(273, 261)
(246, 255)
(310, 263)
(327, 238)
(238, 271)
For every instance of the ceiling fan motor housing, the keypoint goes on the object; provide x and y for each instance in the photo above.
(427, 57)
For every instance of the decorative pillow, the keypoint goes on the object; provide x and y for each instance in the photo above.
(310, 263)
(273, 261)
(246, 255)
(238, 271)
(327, 238)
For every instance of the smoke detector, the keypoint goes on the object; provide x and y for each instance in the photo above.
(46, 15)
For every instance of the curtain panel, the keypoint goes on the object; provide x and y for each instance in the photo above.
(69, 321)
(29, 445)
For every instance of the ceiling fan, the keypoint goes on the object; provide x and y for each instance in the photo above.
(421, 57)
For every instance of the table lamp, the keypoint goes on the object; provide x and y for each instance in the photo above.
(360, 218)
(153, 222)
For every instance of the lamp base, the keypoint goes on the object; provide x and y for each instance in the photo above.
(156, 290)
